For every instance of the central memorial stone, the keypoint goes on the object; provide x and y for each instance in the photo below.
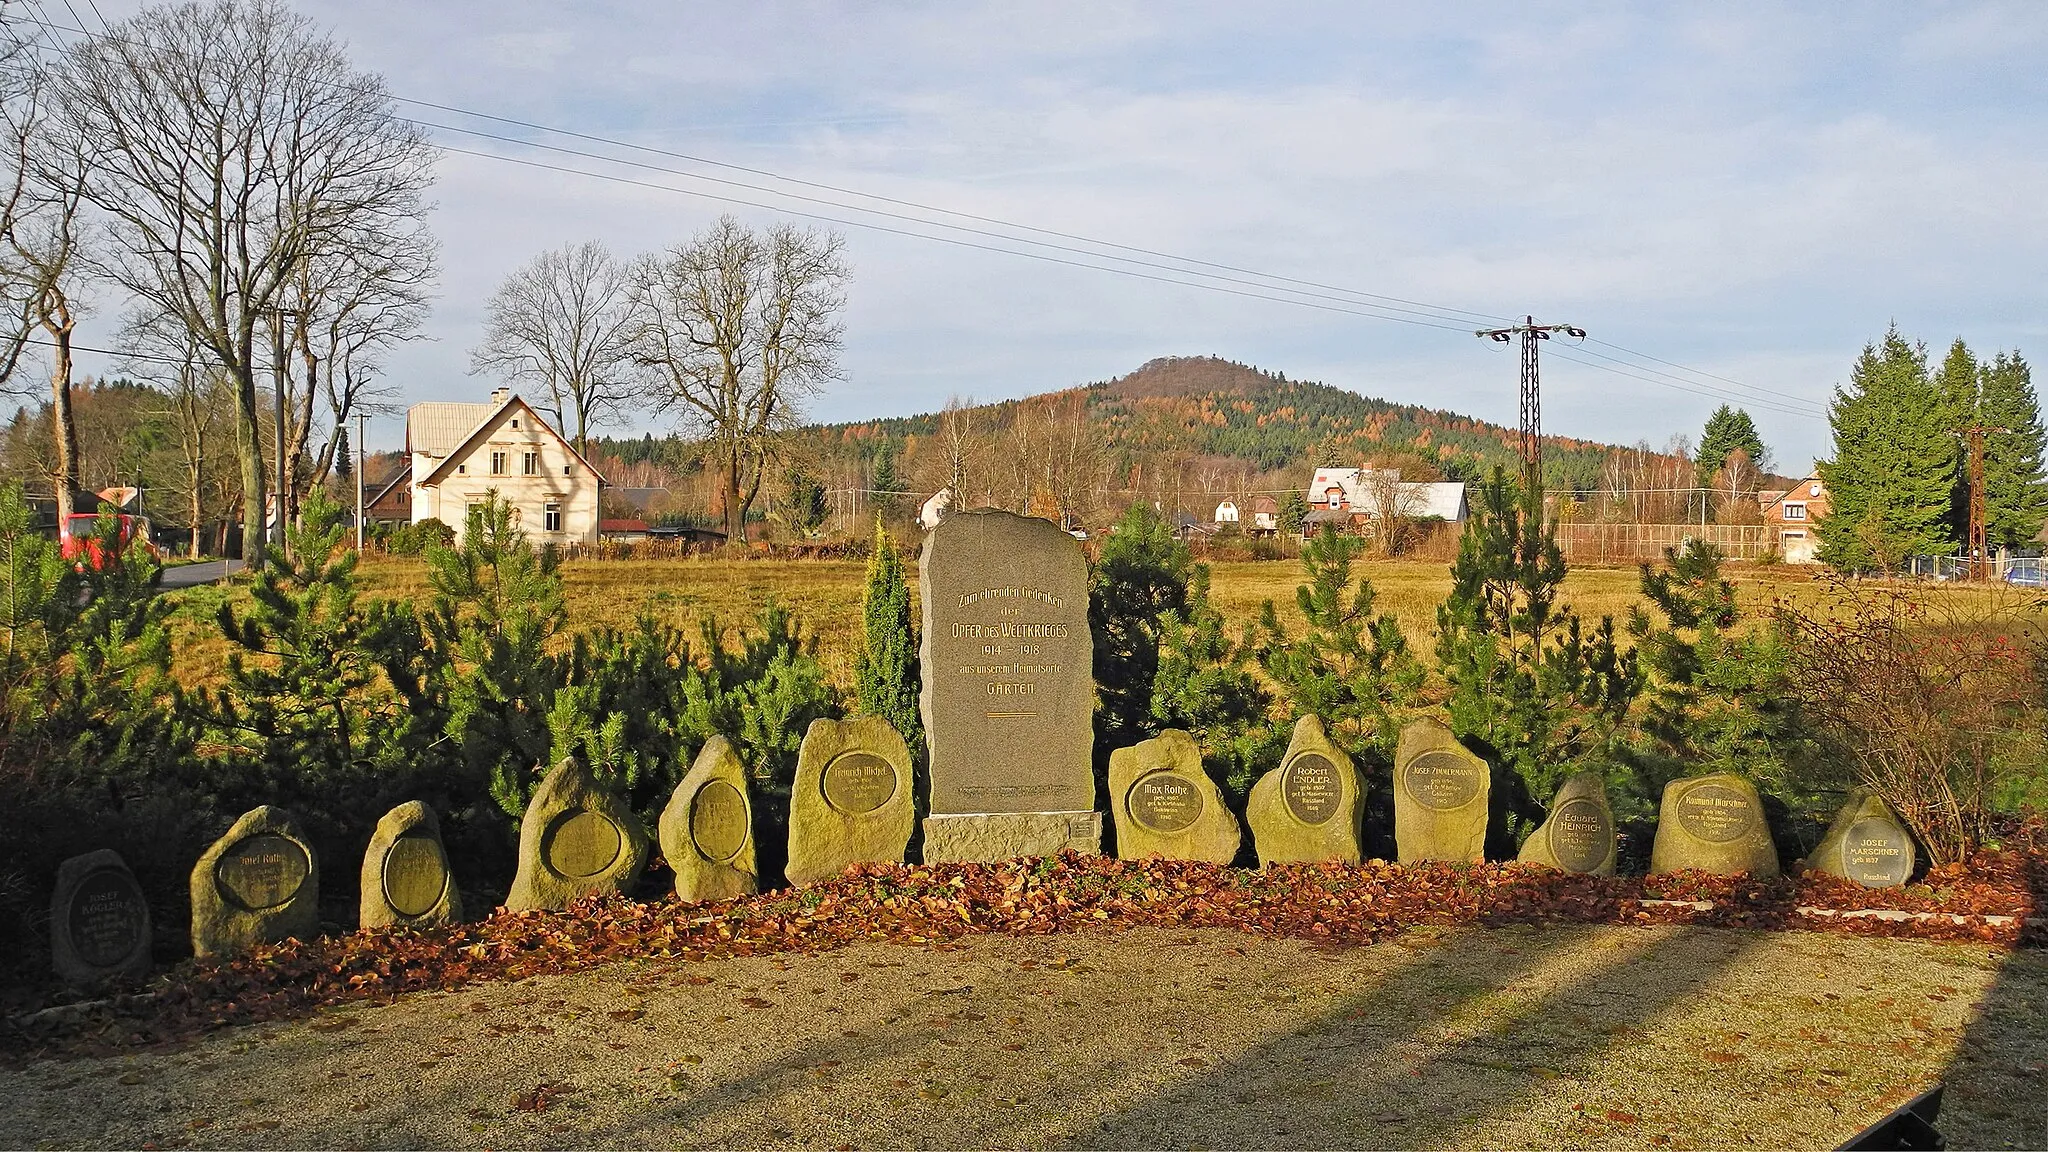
(1009, 691)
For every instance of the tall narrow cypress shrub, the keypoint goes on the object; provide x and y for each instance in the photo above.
(885, 670)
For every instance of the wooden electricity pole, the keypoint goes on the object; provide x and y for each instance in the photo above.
(1532, 397)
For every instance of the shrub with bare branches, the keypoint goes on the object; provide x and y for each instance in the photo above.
(1928, 698)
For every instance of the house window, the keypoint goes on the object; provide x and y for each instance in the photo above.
(551, 517)
(529, 465)
(462, 469)
(565, 469)
(1795, 534)
(497, 463)
(1795, 511)
(1334, 497)
(515, 423)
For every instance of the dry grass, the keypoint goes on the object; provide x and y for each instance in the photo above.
(825, 595)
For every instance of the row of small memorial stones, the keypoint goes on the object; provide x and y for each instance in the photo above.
(850, 804)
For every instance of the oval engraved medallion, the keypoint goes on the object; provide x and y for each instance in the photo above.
(1582, 836)
(858, 782)
(1877, 854)
(1310, 786)
(1715, 813)
(264, 871)
(718, 821)
(582, 844)
(415, 875)
(106, 918)
(1165, 802)
(1442, 781)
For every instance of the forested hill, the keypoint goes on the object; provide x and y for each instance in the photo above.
(1209, 406)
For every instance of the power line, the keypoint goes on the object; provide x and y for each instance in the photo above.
(1397, 309)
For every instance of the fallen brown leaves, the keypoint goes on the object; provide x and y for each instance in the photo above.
(932, 905)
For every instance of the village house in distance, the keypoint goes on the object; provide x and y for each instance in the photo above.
(456, 453)
(1353, 497)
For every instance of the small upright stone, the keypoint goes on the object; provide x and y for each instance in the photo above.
(851, 802)
(1165, 805)
(707, 830)
(578, 837)
(1579, 835)
(405, 872)
(1714, 824)
(1312, 807)
(1441, 791)
(258, 884)
(1866, 843)
(99, 921)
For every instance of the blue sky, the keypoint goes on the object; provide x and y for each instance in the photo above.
(1748, 191)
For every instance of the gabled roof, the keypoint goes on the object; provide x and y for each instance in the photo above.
(436, 427)
(434, 424)
(404, 474)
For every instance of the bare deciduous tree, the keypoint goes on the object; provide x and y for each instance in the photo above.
(1394, 504)
(563, 322)
(736, 329)
(234, 141)
(43, 261)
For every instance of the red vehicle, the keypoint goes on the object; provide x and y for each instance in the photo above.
(80, 544)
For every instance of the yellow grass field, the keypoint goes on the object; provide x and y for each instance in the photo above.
(825, 595)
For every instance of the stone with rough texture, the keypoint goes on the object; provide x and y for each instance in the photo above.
(1008, 835)
(1866, 843)
(1009, 695)
(1578, 836)
(1441, 796)
(1713, 824)
(1312, 807)
(577, 838)
(99, 921)
(852, 800)
(707, 830)
(405, 872)
(1164, 804)
(258, 884)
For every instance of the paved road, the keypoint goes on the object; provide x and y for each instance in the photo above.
(188, 575)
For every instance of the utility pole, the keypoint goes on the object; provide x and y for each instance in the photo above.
(1532, 398)
(1978, 549)
(359, 482)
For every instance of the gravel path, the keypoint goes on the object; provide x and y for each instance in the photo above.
(1554, 1037)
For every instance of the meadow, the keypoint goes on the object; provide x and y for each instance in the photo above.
(826, 597)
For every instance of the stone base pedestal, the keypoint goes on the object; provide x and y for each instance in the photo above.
(984, 837)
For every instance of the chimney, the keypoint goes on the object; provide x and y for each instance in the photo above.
(500, 395)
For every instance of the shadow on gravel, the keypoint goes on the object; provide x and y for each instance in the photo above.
(1470, 1050)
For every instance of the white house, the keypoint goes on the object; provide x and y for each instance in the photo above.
(1265, 516)
(1344, 494)
(459, 452)
(1226, 513)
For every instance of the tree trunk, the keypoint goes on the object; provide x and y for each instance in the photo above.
(249, 446)
(56, 320)
(735, 515)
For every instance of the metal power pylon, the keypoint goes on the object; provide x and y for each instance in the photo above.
(1978, 549)
(1532, 395)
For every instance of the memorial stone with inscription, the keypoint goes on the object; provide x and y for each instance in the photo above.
(1009, 692)
(1714, 824)
(1165, 805)
(405, 872)
(1441, 793)
(1579, 834)
(851, 802)
(577, 837)
(99, 921)
(1312, 807)
(1866, 843)
(707, 830)
(258, 884)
